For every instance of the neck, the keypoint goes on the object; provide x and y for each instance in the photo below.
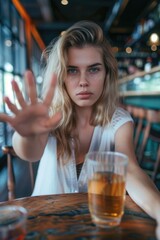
(83, 116)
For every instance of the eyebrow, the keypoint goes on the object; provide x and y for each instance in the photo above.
(92, 65)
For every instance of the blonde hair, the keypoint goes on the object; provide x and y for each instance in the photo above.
(79, 35)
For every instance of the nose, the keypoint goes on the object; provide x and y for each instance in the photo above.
(83, 84)
(83, 81)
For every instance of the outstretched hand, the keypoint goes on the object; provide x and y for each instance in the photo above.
(33, 116)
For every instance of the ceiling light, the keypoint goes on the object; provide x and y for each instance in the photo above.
(64, 2)
(115, 49)
(154, 48)
(128, 50)
(154, 38)
(8, 42)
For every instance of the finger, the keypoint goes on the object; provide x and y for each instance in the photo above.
(31, 86)
(18, 93)
(5, 118)
(50, 93)
(11, 106)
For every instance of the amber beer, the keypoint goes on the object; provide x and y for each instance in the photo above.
(106, 195)
(106, 187)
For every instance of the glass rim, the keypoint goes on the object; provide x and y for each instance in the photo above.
(109, 153)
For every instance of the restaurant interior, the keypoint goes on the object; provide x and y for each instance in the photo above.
(133, 29)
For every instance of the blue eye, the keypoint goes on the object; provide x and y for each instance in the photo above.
(93, 69)
(71, 70)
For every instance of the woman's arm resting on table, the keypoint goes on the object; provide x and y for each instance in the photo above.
(139, 185)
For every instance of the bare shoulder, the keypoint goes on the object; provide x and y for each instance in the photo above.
(126, 130)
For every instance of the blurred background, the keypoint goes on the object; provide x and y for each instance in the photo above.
(28, 26)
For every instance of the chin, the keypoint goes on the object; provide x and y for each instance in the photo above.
(84, 105)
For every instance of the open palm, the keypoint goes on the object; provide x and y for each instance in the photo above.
(33, 116)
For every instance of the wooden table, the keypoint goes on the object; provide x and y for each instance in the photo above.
(67, 216)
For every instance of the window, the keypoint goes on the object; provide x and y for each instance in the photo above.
(14, 59)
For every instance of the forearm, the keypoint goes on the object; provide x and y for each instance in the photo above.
(144, 192)
(29, 148)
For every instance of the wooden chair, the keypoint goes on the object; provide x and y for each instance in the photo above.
(152, 117)
(9, 151)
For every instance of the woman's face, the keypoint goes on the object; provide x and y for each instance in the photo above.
(85, 75)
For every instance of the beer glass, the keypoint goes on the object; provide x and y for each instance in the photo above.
(106, 187)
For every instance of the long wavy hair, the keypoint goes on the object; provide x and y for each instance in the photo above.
(79, 35)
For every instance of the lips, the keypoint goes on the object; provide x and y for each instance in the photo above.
(84, 95)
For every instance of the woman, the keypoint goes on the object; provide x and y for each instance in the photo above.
(78, 113)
